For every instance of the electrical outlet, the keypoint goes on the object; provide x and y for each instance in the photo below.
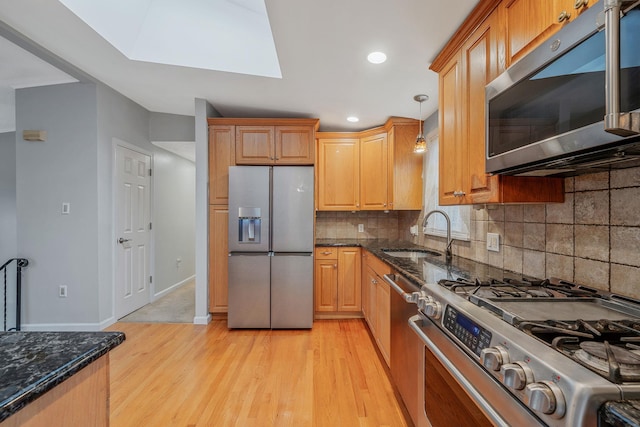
(493, 242)
(62, 291)
(360, 228)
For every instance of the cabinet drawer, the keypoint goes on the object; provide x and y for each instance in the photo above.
(378, 266)
(326, 253)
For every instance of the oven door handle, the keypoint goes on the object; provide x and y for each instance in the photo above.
(408, 297)
(414, 323)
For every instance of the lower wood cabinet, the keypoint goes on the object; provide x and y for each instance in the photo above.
(377, 309)
(337, 280)
(218, 256)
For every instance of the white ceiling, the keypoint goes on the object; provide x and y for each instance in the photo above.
(321, 47)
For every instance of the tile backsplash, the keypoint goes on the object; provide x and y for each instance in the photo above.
(593, 238)
(344, 225)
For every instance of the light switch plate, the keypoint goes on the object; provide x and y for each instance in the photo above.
(66, 208)
(360, 228)
(493, 242)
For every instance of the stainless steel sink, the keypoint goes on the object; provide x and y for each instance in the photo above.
(410, 253)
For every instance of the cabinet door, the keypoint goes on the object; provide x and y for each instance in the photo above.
(383, 324)
(338, 174)
(405, 168)
(364, 286)
(295, 145)
(453, 159)
(218, 256)
(349, 281)
(222, 140)
(529, 23)
(370, 282)
(255, 145)
(326, 285)
(480, 65)
(374, 172)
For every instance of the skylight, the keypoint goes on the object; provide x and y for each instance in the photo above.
(223, 35)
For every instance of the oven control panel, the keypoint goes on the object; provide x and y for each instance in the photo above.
(473, 336)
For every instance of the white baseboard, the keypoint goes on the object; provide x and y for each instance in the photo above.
(61, 327)
(202, 320)
(172, 288)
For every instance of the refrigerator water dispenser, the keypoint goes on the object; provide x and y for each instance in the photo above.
(249, 220)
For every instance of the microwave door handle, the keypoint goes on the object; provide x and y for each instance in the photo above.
(622, 124)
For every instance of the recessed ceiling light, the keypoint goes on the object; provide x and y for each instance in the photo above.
(353, 119)
(376, 57)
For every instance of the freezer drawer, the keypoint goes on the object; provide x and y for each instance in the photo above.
(249, 291)
(292, 291)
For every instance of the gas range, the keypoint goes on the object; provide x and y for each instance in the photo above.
(560, 349)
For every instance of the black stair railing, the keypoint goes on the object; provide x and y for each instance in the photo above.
(20, 264)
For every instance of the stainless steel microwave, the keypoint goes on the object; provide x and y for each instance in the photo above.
(573, 104)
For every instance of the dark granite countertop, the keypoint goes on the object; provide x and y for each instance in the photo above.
(423, 270)
(32, 363)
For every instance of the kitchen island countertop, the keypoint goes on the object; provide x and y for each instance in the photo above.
(32, 363)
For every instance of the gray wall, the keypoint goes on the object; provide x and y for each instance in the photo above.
(203, 110)
(75, 165)
(174, 179)
(63, 249)
(171, 127)
(8, 240)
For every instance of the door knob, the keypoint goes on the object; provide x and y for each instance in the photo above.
(121, 240)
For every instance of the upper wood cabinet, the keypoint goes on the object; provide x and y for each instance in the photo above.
(221, 156)
(255, 145)
(405, 167)
(271, 141)
(528, 23)
(295, 145)
(374, 178)
(465, 66)
(374, 169)
(338, 173)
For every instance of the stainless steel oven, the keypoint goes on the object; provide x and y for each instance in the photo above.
(517, 352)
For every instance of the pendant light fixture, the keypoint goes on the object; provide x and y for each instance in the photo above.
(421, 143)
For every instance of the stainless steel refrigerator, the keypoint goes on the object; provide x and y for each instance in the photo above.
(271, 211)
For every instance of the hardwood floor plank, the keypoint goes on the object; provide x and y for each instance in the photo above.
(201, 376)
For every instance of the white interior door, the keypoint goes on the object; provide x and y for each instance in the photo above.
(133, 201)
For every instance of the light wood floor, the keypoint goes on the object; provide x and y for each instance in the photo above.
(194, 375)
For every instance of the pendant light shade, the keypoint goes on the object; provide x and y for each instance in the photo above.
(421, 143)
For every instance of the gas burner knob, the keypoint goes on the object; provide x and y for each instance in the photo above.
(433, 309)
(546, 397)
(423, 300)
(516, 375)
(494, 357)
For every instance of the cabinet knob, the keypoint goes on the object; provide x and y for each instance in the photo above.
(335, 265)
(580, 4)
(564, 16)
